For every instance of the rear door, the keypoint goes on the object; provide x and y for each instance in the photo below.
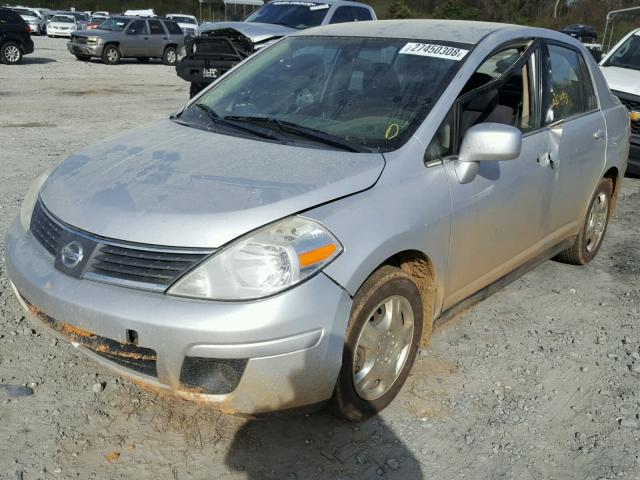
(158, 38)
(577, 132)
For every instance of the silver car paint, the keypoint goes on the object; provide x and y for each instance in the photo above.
(473, 233)
(137, 183)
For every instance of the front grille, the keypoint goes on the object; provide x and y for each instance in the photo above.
(632, 102)
(79, 40)
(46, 231)
(109, 261)
(133, 357)
(157, 267)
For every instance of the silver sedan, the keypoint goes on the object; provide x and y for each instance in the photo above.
(292, 235)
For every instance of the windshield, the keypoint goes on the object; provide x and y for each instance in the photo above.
(180, 19)
(114, 24)
(23, 11)
(63, 19)
(292, 14)
(371, 93)
(627, 55)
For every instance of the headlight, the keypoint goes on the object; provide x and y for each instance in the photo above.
(92, 40)
(30, 199)
(262, 263)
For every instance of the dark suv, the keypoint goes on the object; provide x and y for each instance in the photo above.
(129, 37)
(15, 37)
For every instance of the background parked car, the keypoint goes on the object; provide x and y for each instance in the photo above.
(587, 35)
(95, 22)
(621, 68)
(222, 45)
(82, 19)
(61, 26)
(15, 37)
(188, 23)
(129, 37)
(33, 18)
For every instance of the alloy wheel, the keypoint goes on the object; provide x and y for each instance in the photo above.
(382, 347)
(12, 54)
(597, 222)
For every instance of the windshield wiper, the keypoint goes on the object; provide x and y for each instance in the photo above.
(294, 128)
(217, 119)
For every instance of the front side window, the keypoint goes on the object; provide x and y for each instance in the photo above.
(292, 14)
(113, 24)
(155, 27)
(627, 55)
(569, 89)
(499, 91)
(371, 93)
(138, 27)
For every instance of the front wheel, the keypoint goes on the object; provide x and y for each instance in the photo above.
(111, 55)
(381, 344)
(10, 53)
(589, 240)
(170, 56)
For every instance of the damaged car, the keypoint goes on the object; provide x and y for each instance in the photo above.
(222, 45)
(269, 248)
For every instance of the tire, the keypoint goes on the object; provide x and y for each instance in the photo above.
(358, 399)
(83, 58)
(143, 59)
(110, 55)
(194, 89)
(10, 53)
(170, 56)
(594, 228)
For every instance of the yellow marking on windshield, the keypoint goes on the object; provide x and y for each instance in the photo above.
(392, 131)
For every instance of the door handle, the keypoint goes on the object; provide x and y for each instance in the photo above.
(146, 38)
(598, 134)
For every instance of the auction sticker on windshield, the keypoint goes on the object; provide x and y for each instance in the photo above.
(436, 51)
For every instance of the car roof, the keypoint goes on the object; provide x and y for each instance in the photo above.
(460, 31)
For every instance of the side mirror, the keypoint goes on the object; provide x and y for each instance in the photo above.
(486, 142)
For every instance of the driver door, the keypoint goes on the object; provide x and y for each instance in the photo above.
(499, 219)
(136, 39)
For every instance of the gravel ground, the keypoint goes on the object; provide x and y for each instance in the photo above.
(538, 382)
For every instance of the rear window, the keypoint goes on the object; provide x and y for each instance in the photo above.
(10, 17)
(155, 26)
(173, 28)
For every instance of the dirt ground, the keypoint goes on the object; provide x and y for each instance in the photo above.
(541, 381)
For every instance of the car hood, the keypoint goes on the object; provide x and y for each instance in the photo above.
(256, 32)
(172, 185)
(625, 80)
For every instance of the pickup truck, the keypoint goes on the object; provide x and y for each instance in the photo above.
(222, 45)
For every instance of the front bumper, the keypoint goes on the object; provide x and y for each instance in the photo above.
(59, 33)
(292, 342)
(85, 49)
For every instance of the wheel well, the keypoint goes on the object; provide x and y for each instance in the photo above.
(420, 267)
(174, 45)
(614, 176)
(115, 44)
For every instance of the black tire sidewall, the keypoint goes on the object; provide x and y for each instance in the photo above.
(349, 404)
(3, 48)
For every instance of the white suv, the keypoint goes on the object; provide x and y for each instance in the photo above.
(621, 68)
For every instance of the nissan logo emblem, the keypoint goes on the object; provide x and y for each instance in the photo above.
(72, 254)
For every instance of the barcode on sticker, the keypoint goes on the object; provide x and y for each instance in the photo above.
(431, 50)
